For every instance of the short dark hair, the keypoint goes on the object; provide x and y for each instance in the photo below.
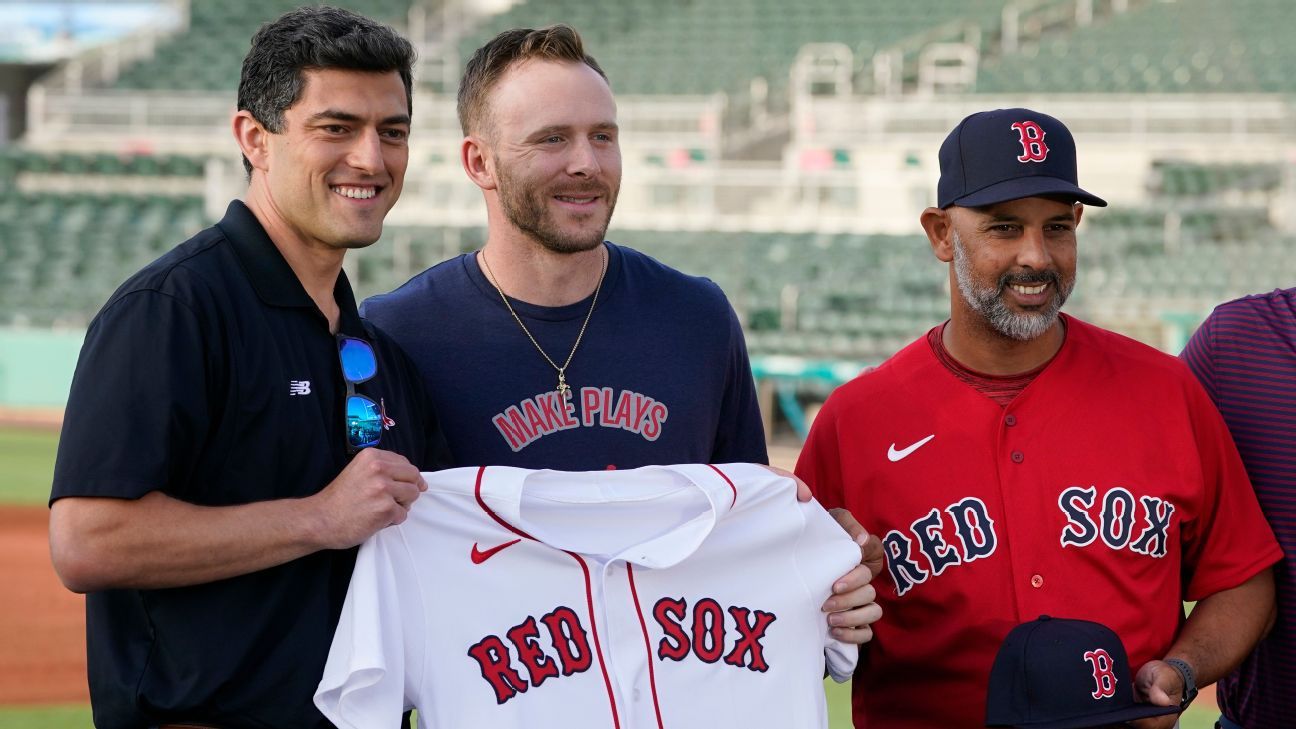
(552, 43)
(315, 37)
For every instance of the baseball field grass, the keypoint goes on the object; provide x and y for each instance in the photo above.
(27, 456)
(26, 469)
(45, 717)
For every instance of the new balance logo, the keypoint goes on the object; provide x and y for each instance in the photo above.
(299, 387)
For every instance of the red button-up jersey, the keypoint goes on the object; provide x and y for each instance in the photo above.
(1108, 490)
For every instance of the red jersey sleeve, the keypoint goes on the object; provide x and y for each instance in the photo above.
(820, 463)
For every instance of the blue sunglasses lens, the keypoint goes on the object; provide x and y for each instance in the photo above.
(364, 421)
(358, 360)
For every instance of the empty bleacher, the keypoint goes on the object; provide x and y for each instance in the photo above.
(73, 225)
(208, 55)
(861, 297)
(61, 256)
(709, 46)
(1185, 46)
(1187, 179)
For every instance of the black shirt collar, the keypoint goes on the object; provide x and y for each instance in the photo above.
(272, 278)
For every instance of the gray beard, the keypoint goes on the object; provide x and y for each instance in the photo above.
(989, 302)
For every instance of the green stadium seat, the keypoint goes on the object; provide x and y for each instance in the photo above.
(1198, 46)
(208, 55)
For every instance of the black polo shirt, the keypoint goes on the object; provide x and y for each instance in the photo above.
(211, 376)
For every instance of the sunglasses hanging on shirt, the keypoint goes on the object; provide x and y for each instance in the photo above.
(364, 418)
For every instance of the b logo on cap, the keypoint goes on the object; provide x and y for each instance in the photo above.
(1104, 678)
(1032, 141)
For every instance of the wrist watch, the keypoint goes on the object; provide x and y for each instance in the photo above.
(1189, 681)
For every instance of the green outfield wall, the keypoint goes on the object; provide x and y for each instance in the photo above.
(36, 366)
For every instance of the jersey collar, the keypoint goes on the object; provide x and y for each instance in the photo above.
(504, 491)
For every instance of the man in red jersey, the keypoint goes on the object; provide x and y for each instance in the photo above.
(1021, 462)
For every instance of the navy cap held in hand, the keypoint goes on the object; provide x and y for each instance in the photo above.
(1055, 673)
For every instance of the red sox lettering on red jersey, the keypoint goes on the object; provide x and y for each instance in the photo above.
(922, 551)
(546, 413)
(516, 598)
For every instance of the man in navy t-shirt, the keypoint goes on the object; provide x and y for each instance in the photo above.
(550, 347)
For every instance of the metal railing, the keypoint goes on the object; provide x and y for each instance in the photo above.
(55, 118)
(1136, 118)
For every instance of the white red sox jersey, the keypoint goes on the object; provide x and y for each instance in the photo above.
(1108, 490)
(663, 597)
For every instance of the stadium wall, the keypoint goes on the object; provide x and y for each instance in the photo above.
(36, 367)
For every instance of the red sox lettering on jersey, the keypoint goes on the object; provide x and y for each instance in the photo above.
(922, 551)
(1032, 141)
(565, 633)
(706, 639)
(518, 599)
(703, 638)
(602, 407)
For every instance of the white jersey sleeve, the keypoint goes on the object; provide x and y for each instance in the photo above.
(823, 536)
(377, 652)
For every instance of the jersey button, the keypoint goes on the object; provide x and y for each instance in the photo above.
(1010, 420)
(1037, 581)
(1017, 457)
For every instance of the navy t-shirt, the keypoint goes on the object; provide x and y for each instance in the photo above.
(660, 377)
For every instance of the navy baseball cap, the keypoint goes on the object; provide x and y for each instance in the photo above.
(1056, 673)
(1008, 154)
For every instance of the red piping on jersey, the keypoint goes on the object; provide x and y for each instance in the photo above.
(731, 483)
(589, 592)
(481, 471)
(652, 674)
(598, 648)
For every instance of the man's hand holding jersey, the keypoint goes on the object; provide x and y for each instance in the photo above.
(853, 607)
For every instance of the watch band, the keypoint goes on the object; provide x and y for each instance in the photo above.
(1189, 681)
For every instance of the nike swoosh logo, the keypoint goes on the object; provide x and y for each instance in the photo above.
(478, 556)
(894, 455)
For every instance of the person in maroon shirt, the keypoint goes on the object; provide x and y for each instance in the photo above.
(1244, 354)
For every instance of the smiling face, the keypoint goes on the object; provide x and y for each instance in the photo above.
(552, 139)
(1015, 263)
(337, 167)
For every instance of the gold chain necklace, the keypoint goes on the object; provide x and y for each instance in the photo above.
(563, 388)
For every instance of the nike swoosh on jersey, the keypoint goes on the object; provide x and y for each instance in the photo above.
(478, 556)
(894, 455)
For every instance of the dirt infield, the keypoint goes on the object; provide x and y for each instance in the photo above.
(42, 418)
(42, 625)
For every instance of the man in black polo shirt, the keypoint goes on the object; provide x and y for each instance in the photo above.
(234, 429)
